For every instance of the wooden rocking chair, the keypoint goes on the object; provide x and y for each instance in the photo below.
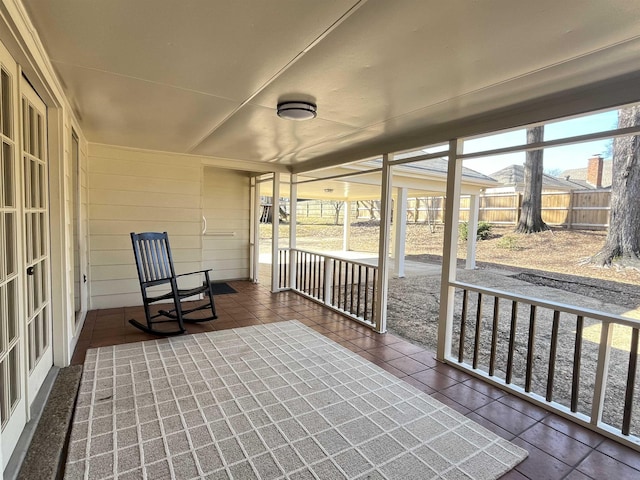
(155, 268)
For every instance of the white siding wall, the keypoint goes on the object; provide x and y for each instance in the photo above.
(139, 191)
(226, 206)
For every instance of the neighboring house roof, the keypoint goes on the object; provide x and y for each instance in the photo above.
(425, 177)
(574, 174)
(514, 175)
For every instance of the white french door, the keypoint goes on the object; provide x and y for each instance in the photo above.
(13, 405)
(35, 181)
(25, 312)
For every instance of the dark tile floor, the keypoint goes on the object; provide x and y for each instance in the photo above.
(557, 447)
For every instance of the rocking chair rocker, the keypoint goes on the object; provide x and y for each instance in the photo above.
(155, 268)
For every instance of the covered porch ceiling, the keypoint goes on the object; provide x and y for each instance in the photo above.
(204, 77)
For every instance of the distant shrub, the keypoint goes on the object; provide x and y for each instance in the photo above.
(483, 232)
(463, 231)
(508, 242)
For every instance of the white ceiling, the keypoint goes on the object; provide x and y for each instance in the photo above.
(204, 76)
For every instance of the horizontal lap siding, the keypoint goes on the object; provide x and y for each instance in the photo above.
(226, 206)
(133, 191)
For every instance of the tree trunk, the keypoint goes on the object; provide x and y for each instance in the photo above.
(622, 246)
(372, 211)
(338, 206)
(531, 216)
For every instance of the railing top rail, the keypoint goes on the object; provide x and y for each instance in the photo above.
(585, 312)
(333, 257)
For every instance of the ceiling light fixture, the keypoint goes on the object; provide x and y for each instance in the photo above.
(297, 110)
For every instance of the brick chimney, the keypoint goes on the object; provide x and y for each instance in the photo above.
(594, 171)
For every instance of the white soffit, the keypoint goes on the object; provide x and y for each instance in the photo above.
(204, 76)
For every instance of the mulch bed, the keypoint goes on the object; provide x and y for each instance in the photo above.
(617, 292)
(623, 294)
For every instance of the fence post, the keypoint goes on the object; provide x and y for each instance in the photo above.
(570, 210)
(518, 207)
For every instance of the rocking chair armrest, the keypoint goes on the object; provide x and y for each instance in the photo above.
(206, 273)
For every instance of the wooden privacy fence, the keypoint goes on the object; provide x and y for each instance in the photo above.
(581, 209)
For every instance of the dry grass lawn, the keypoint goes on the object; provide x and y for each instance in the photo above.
(559, 250)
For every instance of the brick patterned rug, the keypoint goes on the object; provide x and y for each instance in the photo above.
(268, 402)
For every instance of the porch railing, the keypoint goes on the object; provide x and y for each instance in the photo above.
(346, 286)
(578, 362)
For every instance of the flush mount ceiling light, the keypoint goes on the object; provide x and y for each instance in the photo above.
(297, 110)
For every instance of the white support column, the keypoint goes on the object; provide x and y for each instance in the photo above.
(293, 226)
(392, 231)
(449, 253)
(383, 248)
(275, 235)
(400, 225)
(346, 231)
(254, 230)
(472, 228)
